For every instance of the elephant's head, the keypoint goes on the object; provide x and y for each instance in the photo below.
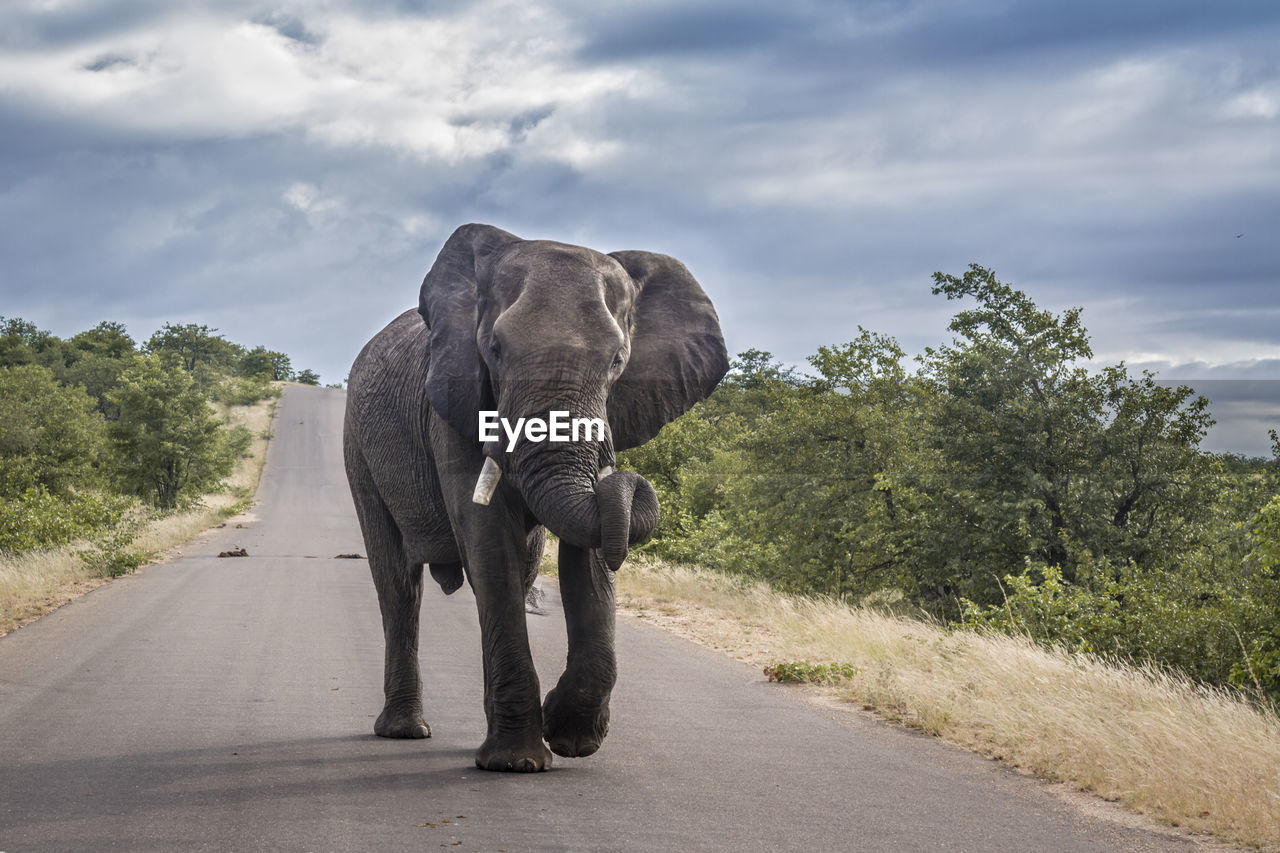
(530, 327)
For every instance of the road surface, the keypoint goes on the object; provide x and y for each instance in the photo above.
(228, 704)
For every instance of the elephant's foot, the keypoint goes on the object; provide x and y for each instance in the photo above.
(573, 723)
(395, 721)
(502, 754)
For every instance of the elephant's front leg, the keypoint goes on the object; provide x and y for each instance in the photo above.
(576, 713)
(511, 692)
(495, 544)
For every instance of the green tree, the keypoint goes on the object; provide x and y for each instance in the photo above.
(691, 461)
(1041, 460)
(50, 435)
(307, 377)
(22, 342)
(194, 345)
(167, 443)
(826, 493)
(107, 339)
(99, 375)
(752, 387)
(103, 353)
(262, 362)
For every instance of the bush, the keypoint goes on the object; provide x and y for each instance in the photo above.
(802, 671)
(244, 390)
(38, 519)
(111, 556)
(1215, 626)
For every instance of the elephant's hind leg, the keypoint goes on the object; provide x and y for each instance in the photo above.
(533, 596)
(399, 586)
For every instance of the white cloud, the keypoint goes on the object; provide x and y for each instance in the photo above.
(1259, 103)
(445, 88)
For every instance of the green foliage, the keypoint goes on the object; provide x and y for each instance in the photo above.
(107, 339)
(244, 390)
(804, 672)
(237, 440)
(50, 434)
(113, 553)
(1043, 459)
(1193, 619)
(21, 342)
(168, 445)
(1002, 484)
(88, 422)
(1259, 637)
(263, 363)
(98, 374)
(307, 377)
(193, 346)
(36, 518)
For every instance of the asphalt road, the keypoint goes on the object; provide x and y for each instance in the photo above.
(228, 704)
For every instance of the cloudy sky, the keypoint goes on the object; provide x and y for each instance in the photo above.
(286, 171)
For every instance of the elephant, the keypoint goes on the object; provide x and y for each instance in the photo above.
(507, 329)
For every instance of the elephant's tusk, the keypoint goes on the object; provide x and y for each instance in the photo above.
(605, 472)
(490, 474)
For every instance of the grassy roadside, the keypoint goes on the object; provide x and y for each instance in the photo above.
(1195, 758)
(35, 583)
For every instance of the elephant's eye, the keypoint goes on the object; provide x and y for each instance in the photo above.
(617, 360)
(495, 348)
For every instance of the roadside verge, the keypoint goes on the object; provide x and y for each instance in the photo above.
(35, 583)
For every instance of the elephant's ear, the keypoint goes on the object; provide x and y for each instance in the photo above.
(677, 351)
(457, 380)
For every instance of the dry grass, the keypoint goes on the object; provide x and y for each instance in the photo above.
(35, 583)
(1196, 758)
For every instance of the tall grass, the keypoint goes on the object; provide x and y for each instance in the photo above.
(1191, 756)
(34, 583)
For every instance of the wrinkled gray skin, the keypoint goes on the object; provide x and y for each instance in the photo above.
(523, 327)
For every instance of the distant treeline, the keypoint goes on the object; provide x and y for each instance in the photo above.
(997, 482)
(96, 432)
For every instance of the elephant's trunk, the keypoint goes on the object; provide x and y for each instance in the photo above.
(628, 514)
(560, 487)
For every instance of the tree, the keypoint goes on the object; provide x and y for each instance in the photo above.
(194, 345)
(21, 342)
(103, 353)
(307, 377)
(99, 375)
(262, 362)
(827, 493)
(1042, 460)
(107, 339)
(167, 442)
(754, 383)
(50, 435)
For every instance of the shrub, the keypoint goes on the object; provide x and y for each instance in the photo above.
(244, 390)
(37, 519)
(802, 671)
